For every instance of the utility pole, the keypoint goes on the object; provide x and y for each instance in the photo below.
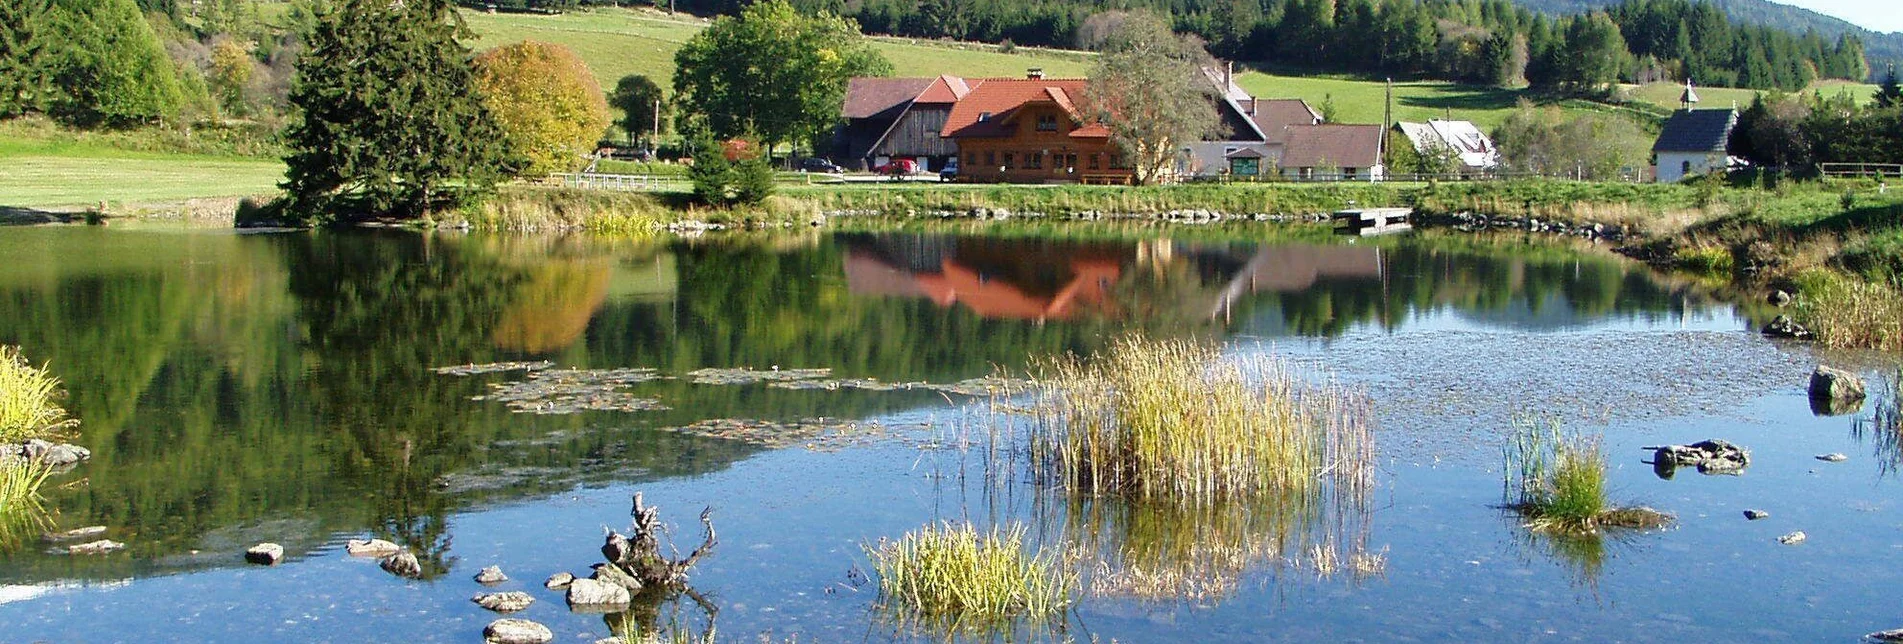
(1387, 124)
(655, 141)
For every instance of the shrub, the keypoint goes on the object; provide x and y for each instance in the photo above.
(27, 407)
(723, 175)
(955, 571)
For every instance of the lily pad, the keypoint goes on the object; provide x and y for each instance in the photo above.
(493, 367)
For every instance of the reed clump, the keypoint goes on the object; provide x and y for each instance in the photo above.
(1557, 482)
(961, 576)
(1884, 427)
(28, 406)
(1849, 313)
(1174, 419)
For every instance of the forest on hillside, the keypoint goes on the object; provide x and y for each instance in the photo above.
(1495, 42)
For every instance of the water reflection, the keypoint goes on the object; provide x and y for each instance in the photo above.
(233, 385)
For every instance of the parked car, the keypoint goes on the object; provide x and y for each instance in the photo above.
(817, 164)
(898, 167)
(949, 173)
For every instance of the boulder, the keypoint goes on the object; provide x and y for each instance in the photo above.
(1792, 538)
(99, 547)
(508, 602)
(1828, 384)
(1892, 635)
(491, 575)
(1833, 457)
(1754, 515)
(516, 631)
(1709, 456)
(1779, 298)
(371, 548)
(558, 581)
(592, 592)
(54, 454)
(403, 564)
(266, 554)
(75, 534)
(1783, 327)
(615, 575)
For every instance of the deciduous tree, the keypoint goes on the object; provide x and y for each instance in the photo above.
(1149, 89)
(391, 122)
(771, 72)
(551, 110)
(643, 106)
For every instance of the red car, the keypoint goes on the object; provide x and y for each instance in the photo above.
(898, 167)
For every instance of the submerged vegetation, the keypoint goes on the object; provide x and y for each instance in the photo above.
(955, 575)
(1557, 482)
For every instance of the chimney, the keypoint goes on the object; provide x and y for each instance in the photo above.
(1228, 76)
(1034, 73)
(1252, 102)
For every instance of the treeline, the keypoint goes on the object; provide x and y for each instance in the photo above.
(1795, 132)
(1479, 41)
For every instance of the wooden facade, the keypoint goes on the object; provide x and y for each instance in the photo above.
(916, 134)
(1030, 131)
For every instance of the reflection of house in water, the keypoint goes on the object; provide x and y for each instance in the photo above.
(1041, 280)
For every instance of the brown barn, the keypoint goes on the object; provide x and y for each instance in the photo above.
(898, 118)
(1031, 130)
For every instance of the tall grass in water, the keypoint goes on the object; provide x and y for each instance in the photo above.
(20, 509)
(1849, 313)
(1557, 481)
(957, 576)
(1173, 419)
(27, 407)
(1884, 427)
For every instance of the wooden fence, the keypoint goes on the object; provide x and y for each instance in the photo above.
(1861, 170)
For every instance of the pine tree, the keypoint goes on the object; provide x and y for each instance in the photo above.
(392, 122)
(1890, 94)
(22, 64)
(107, 65)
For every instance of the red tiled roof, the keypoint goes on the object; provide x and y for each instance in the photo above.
(869, 97)
(946, 90)
(1332, 145)
(999, 97)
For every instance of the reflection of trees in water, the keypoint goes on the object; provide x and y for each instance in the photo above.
(1884, 428)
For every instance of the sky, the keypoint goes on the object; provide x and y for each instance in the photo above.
(1875, 15)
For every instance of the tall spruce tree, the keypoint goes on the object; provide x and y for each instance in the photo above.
(1890, 93)
(22, 67)
(106, 65)
(391, 123)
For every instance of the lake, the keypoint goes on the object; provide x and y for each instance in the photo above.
(288, 387)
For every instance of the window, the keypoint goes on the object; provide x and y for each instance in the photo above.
(1245, 167)
(1228, 150)
(984, 116)
(1685, 168)
(1047, 123)
(1070, 161)
(1008, 158)
(1096, 161)
(1034, 160)
(1348, 173)
(991, 159)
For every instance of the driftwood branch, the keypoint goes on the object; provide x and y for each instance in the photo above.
(640, 555)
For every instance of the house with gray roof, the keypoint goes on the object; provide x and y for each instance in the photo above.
(1693, 143)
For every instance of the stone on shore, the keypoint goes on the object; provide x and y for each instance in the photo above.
(558, 581)
(75, 534)
(1834, 385)
(597, 593)
(516, 631)
(1782, 327)
(54, 454)
(615, 575)
(265, 554)
(99, 547)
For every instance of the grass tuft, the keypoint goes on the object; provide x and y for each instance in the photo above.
(20, 503)
(27, 407)
(1849, 313)
(1884, 427)
(955, 573)
(1557, 482)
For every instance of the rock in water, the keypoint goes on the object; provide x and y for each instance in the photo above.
(592, 592)
(74, 534)
(1783, 327)
(1833, 385)
(558, 581)
(267, 554)
(371, 548)
(1754, 515)
(1709, 456)
(1779, 298)
(516, 631)
(1792, 538)
(613, 574)
(403, 564)
(491, 575)
(55, 454)
(508, 602)
(1833, 457)
(99, 547)
(1892, 635)
(616, 547)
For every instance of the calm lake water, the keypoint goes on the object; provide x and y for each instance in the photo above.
(238, 388)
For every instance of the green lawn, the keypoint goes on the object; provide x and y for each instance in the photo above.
(64, 179)
(618, 42)
(1666, 94)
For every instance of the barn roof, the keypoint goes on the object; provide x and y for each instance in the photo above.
(870, 97)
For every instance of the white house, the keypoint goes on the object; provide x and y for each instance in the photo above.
(1474, 150)
(1693, 143)
(1253, 131)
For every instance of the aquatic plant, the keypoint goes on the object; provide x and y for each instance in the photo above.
(20, 509)
(27, 407)
(1557, 481)
(1175, 419)
(1884, 427)
(958, 575)
(1849, 313)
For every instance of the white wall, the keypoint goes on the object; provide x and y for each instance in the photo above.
(1672, 165)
